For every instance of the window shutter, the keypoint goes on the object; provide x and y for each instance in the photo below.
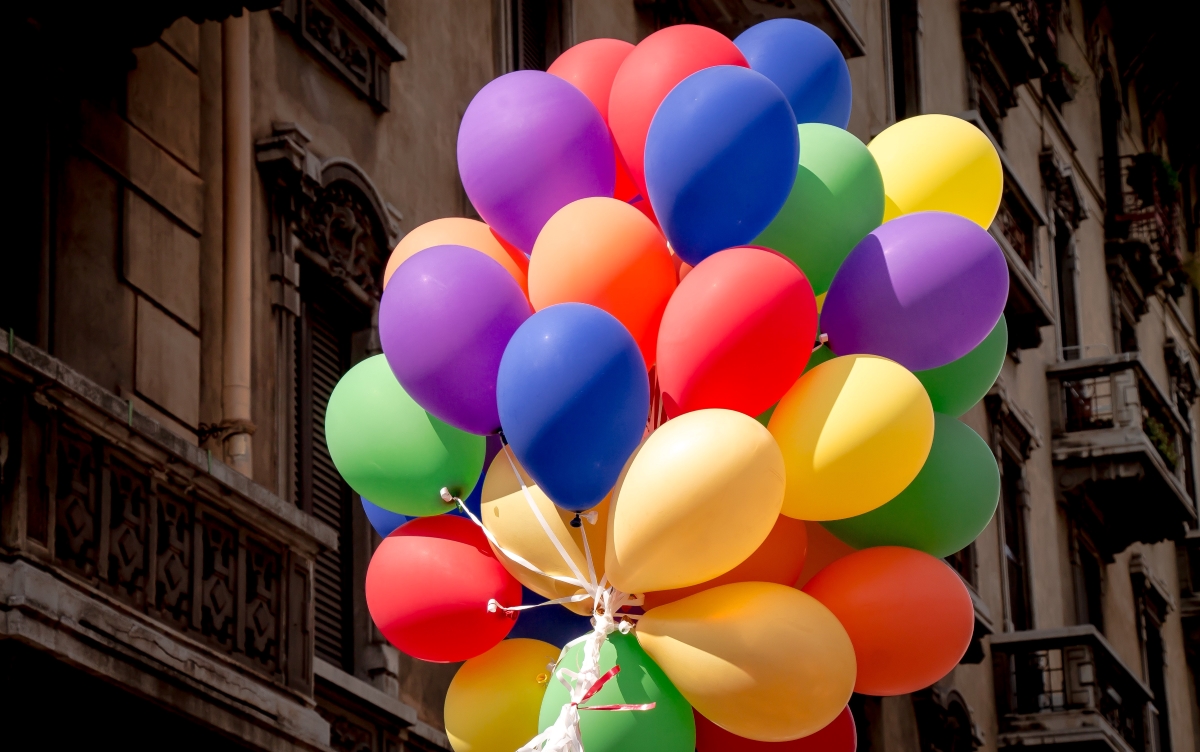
(324, 349)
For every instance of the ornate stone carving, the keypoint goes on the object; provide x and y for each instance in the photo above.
(350, 39)
(137, 535)
(329, 211)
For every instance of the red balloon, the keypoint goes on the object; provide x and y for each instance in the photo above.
(907, 613)
(428, 587)
(839, 736)
(660, 61)
(737, 333)
(591, 66)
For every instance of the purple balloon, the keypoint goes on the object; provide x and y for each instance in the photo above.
(446, 316)
(529, 144)
(923, 289)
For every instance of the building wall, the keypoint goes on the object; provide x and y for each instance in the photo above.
(136, 263)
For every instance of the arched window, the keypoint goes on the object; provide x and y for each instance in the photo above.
(332, 234)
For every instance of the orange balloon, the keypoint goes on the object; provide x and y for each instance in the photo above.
(908, 615)
(604, 252)
(824, 548)
(460, 231)
(591, 66)
(779, 559)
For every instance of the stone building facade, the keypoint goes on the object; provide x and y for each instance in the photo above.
(206, 194)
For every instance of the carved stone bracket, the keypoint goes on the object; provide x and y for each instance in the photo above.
(1013, 426)
(1182, 370)
(329, 210)
(1149, 587)
(349, 38)
(1063, 187)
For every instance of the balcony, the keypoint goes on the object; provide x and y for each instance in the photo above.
(1121, 452)
(1066, 688)
(1144, 246)
(732, 17)
(1000, 39)
(128, 552)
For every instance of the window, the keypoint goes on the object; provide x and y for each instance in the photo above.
(1068, 305)
(1016, 556)
(1153, 604)
(1089, 582)
(963, 562)
(325, 333)
(540, 32)
(905, 21)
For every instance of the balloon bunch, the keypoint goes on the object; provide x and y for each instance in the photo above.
(709, 326)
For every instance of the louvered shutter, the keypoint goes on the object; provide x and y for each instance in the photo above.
(323, 344)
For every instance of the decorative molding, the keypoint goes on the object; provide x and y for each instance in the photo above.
(945, 721)
(1014, 427)
(1061, 184)
(351, 39)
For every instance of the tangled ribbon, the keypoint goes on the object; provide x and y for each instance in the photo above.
(564, 734)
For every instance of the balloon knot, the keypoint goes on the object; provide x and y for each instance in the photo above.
(447, 496)
(576, 522)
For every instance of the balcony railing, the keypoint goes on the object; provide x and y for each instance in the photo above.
(1122, 445)
(1068, 687)
(1145, 227)
(147, 556)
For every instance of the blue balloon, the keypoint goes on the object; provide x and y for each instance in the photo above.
(573, 397)
(381, 519)
(721, 156)
(805, 64)
(556, 625)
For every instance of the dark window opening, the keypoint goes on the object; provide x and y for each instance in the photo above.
(1089, 584)
(23, 280)
(1128, 334)
(1016, 222)
(1068, 306)
(1016, 555)
(906, 68)
(325, 332)
(963, 562)
(1154, 658)
(537, 33)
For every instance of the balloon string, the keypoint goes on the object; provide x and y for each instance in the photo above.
(494, 605)
(515, 557)
(591, 585)
(822, 341)
(564, 734)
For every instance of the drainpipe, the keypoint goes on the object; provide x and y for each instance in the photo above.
(235, 394)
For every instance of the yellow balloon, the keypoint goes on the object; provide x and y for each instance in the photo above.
(493, 701)
(938, 163)
(762, 660)
(505, 512)
(699, 496)
(854, 432)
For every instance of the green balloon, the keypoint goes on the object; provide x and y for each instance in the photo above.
(393, 452)
(946, 506)
(836, 200)
(668, 727)
(955, 387)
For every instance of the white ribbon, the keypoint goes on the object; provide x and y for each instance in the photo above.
(564, 734)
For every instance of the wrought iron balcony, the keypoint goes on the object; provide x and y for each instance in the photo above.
(1122, 451)
(1144, 239)
(1003, 36)
(1067, 688)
